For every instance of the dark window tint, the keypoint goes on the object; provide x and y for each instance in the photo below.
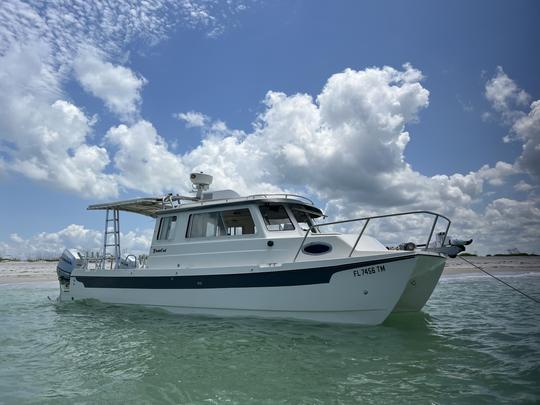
(304, 219)
(317, 248)
(167, 225)
(276, 218)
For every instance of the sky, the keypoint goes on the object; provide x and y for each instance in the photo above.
(368, 107)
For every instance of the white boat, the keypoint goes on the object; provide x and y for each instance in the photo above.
(261, 255)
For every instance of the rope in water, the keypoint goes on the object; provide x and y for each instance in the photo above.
(498, 279)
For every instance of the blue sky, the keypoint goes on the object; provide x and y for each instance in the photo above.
(469, 71)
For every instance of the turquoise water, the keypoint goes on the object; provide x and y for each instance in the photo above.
(476, 342)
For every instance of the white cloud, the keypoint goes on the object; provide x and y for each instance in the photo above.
(510, 102)
(51, 244)
(505, 96)
(527, 130)
(143, 160)
(510, 223)
(192, 119)
(354, 134)
(523, 186)
(117, 86)
(43, 135)
(106, 25)
(497, 175)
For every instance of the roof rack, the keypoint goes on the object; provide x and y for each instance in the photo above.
(151, 206)
(146, 206)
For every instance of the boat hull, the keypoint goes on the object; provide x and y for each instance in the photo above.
(350, 290)
(423, 281)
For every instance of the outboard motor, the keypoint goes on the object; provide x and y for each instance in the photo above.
(70, 260)
(129, 262)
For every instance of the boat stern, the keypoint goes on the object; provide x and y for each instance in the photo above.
(70, 260)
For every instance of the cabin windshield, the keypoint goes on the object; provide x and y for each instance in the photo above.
(276, 218)
(304, 219)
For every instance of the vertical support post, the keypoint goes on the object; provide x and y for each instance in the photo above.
(359, 236)
(446, 233)
(431, 233)
(104, 254)
(115, 231)
(117, 238)
(302, 244)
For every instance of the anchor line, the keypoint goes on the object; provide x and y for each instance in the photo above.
(498, 279)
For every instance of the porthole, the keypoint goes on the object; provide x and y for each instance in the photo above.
(317, 248)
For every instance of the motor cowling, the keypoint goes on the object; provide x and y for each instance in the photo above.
(129, 262)
(70, 260)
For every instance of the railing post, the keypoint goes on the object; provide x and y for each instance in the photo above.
(431, 233)
(302, 244)
(446, 233)
(359, 236)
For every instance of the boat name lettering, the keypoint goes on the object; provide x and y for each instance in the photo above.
(160, 250)
(366, 271)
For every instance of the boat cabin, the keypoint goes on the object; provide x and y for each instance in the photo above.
(223, 229)
(251, 230)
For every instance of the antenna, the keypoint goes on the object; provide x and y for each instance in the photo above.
(201, 182)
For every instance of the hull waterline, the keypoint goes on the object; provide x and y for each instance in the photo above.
(351, 290)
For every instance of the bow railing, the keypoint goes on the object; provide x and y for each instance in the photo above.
(367, 221)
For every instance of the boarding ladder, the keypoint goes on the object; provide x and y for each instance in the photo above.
(111, 239)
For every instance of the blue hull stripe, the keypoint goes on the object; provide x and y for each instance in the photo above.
(317, 275)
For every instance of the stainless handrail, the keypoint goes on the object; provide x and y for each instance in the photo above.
(368, 219)
(286, 195)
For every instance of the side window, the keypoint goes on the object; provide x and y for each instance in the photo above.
(166, 229)
(223, 223)
(238, 222)
(276, 218)
(206, 225)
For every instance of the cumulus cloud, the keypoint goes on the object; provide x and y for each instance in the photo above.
(523, 186)
(51, 244)
(143, 160)
(192, 119)
(44, 135)
(117, 86)
(354, 132)
(106, 25)
(512, 102)
(527, 130)
(45, 138)
(505, 96)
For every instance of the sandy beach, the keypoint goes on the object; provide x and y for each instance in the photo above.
(493, 264)
(39, 271)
